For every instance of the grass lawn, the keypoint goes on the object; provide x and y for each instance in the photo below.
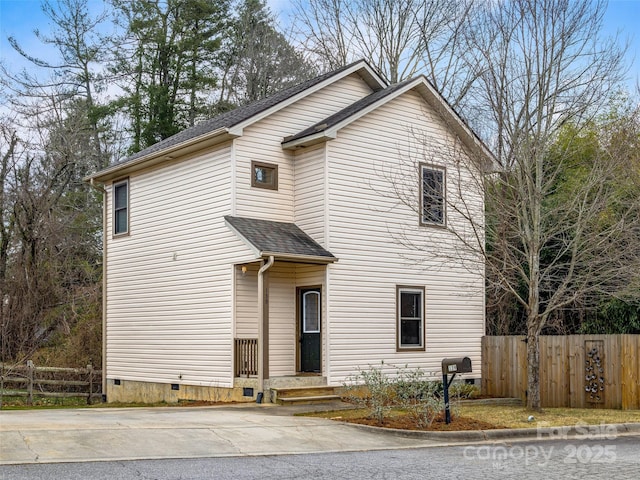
(516, 417)
(19, 403)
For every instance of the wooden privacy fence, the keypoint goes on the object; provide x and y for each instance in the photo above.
(29, 381)
(577, 371)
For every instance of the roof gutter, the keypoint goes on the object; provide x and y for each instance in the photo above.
(299, 258)
(159, 156)
(309, 140)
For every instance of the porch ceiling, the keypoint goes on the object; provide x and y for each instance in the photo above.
(284, 241)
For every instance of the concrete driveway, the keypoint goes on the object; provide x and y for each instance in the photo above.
(77, 435)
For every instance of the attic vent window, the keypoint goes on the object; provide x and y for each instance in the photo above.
(264, 175)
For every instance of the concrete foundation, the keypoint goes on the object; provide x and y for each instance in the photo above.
(244, 390)
(129, 391)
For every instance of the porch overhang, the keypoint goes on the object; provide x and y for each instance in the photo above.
(283, 241)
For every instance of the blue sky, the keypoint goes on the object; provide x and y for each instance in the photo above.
(20, 17)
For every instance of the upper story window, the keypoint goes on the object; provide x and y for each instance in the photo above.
(432, 199)
(121, 207)
(410, 318)
(264, 175)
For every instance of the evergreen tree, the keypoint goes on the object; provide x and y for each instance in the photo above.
(167, 63)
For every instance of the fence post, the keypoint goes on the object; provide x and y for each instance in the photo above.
(30, 378)
(90, 369)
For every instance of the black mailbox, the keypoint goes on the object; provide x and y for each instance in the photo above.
(451, 366)
(456, 365)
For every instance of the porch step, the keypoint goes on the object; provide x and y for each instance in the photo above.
(305, 395)
(310, 400)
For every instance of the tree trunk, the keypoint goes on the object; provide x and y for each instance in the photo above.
(533, 365)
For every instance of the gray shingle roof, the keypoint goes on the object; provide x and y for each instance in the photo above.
(278, 239)
(348, 111)
(233, 117)
(441, 105)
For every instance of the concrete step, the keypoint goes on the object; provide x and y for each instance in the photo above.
(309, 400)
(305, 395)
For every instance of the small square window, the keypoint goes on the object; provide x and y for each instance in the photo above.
(121, 207)
(264, 175)
(410, 318)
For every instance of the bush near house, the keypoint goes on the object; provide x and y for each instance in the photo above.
(411, 390)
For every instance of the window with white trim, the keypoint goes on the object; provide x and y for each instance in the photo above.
(410, 318)
(121, 207)
(432, 198)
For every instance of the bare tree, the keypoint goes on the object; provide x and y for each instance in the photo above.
(327, 31)
(8, 144)
(258, 60)
(50, 242)
(400, 38)
(543, 65)
(75, 74)
(562, 212)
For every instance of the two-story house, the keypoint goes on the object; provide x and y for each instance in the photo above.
(275, 245)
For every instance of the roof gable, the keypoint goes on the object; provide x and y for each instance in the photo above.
(328, 128)
(230, 124)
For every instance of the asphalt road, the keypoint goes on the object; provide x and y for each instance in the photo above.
(609, 459)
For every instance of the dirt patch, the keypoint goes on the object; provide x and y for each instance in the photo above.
(405, 422)
(199, 403)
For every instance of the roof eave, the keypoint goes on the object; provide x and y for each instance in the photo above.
(191, 145)
(290, 257)
(309, 140)
(422, 86)
(455, 121)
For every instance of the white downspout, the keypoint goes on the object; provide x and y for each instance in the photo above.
(263, 326)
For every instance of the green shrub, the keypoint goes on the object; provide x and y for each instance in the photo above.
(417, 395)
(462, 390)
(372, 390)
(408, 389)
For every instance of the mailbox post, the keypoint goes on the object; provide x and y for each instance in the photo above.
(452, 366)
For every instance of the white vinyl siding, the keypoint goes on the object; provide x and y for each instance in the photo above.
(283, 280)
(171, 313)
(282, 320)
(121, 207)
(168, 283)
(246, 309)
(310, 180)
(262, 142)
(433, 195)
(368, 225)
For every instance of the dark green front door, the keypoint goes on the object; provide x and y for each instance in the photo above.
(309, 306)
